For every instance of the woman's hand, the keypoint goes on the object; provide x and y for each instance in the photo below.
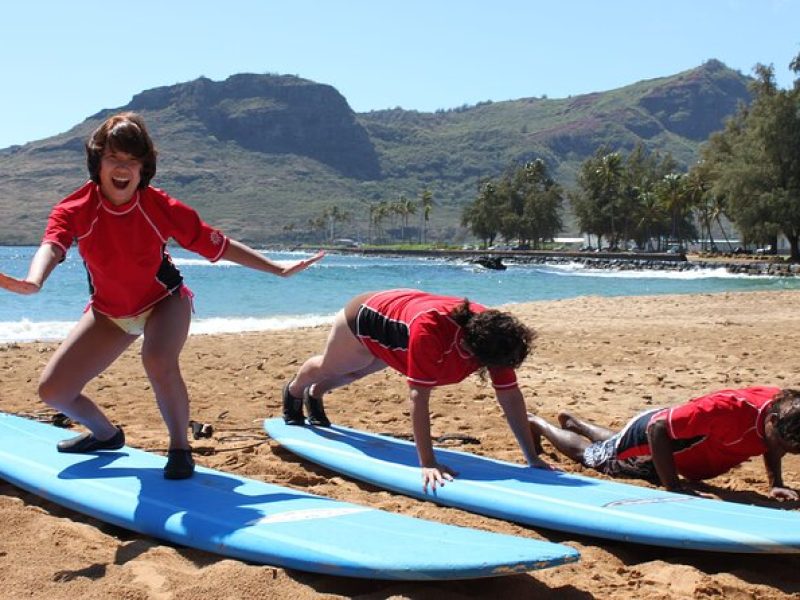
(436, 475)
(292, 267)
(18, 286)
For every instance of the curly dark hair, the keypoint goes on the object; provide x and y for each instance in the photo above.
(787, 407)
(124, 132)
(497, 339)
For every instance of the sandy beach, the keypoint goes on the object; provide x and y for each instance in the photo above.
(602, 358)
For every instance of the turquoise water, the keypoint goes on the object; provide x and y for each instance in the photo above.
(231, 298)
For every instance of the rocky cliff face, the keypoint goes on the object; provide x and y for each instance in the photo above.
(696, 104)
(274, 115)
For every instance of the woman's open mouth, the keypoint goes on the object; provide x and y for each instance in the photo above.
(120, 184)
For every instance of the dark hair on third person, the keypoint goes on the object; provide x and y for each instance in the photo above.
(498, 339)
(787, 407)
(125, 132)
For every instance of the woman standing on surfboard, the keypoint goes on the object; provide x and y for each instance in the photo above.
(122, 225)
(433, 340)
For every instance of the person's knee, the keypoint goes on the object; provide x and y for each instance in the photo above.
(46, 391)
(312, 370)
(54, 393)
(159, 365)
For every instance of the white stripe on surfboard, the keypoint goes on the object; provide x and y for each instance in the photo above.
(308, 514)
(753, 541)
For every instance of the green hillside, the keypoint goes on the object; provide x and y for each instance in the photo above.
(260, 155)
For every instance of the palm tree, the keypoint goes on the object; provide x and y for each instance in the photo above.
(371, 208)
(674, 194)
(335, 215)
(380, 212)
(609, 173)
(404, 208)
(426, 202)
(316, 224)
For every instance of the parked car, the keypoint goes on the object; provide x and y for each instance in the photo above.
(347, 243)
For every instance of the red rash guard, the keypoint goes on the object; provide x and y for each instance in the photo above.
(124, 247)
(720, 430)
(412, 332)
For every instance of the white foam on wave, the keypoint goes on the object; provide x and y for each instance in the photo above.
(580, 270)
(32, 331)
(45, 331)
(183, 261)
(202, 262)
(238, 325)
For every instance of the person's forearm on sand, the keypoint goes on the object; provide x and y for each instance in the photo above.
(513, 405)
(244, 255)
(661, 451)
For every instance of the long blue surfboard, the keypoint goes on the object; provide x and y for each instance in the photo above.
(255, 521)
(551, 499)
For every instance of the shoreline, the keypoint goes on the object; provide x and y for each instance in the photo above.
(661, 261)
(26, 331)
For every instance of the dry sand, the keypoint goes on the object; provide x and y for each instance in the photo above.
(603, 358)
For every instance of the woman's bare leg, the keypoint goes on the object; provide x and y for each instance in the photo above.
(320, 388)
(164, 336)
(344, 360)
(93, 344)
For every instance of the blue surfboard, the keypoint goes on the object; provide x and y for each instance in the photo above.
(255, 521)
(551, 499)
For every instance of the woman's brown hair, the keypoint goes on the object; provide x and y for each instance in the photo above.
(124, 132)
(497, 339)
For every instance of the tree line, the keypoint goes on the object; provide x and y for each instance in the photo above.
(381, 215)
(748, 175)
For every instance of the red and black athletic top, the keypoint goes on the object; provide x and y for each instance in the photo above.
(726, 428)
(412, 332)
(124, 247)
(714, 433)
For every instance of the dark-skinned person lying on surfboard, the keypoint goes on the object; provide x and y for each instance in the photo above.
(433, 340)
(700, 439)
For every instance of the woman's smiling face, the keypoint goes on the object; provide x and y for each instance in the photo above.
(120, 175)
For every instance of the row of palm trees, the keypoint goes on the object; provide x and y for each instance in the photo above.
(644, 198)
(397, 213)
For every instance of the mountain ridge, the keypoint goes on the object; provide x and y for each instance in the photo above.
(262, 155)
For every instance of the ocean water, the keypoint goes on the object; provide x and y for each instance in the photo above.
(230, 298)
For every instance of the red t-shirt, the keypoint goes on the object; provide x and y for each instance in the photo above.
(124, 247)
(412, 332)
(721, 430)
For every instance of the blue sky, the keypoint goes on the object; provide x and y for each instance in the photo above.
(62, 61)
